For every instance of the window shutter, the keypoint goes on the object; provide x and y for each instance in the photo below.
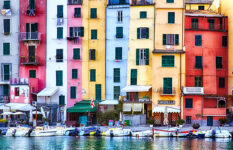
(59, 78)
(32, 4)
(61, 100)
(59, 11)
(32, 73)
(73, 92)
(119, 32)
(138, 33)
(224, 41)
(176, 39)
(198, 40)
(6, 72)
(98, 91)
(133, 76)
(93, 13)
(6, 48)
(76, 53)
(164, 39)
(147, 56)
(74, 73)
(77, 12)
(71, 32)
(198, 62)
(93, 34)
(81, 31)
(147, 33)
(143, 14)
(137, 56)
(93, 75)
(59, 33)
(6, 26)
(171, 17)
(6, 90)
(167, 85)
(7, 5)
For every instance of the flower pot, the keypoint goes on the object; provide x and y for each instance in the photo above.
(180, 125)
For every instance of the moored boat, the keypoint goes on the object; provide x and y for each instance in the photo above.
(117, 132)
(41, 131)
(217, 133)
(146, 133)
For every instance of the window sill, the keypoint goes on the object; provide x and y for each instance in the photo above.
(118, 60)
(188, 108)
(168, 66)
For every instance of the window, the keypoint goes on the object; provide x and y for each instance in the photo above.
(32, 73)
(92, 54)
(198, 82)
(32, 4)
(93, 13)
(116, 94)
(73, 92)
(132, 96)
(188, 103)
(133, 80)
(201, 7)
(119, 16)
(59, 80)
(7, 5)
(167, 85)
(98, 91)
(6, 90)
(6, 48)
(221, 82)
(171, 17)
(198, 62)
(77, 12)
(168, 61)
(6, 72)
(93, 34)
(142, 56)
(218, 62)
(170, 1)
(61, 100)
(170, 39)
(59, 11)
(143, 14)
(211, 24)
(59, 55)
(76, 53)
(188, 120)
(118, 53)
(59, 32)
(6, 23)
(198, 40)
(116, 75)
(92, 75)
(16, 91)
(76, 31)
(194, 23)
(224, 41)
(119, 32)
(74, 73)
(221, 104)
(142, 33)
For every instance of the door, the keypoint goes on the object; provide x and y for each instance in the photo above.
(31, 54)
(209, 120)
(83, 120)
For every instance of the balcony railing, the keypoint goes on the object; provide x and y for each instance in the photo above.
(206, 26)
(75, 2)
(31, 60)
(4, 99)
(194, 90)
(19, 81)
(139, 100)
(30, 36)
(167, 91)
(142, 2)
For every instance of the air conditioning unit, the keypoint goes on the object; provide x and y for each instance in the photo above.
(60, 21)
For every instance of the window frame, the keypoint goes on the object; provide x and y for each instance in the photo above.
(120, 16)
(116, 75)
(116, 93)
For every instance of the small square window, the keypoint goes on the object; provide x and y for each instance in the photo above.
(143, 14)
(188, 103)
(93, 13)
(170, 1)
(94, 34)
(32, 73)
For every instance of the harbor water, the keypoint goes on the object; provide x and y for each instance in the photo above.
(115, 143)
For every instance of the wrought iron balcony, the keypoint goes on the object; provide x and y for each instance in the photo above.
(167, 91)
(75, 2)
(31, 60)
(205, 26)
(141, 2)
(194, 90)
(19, 81)
(4, 99)
(30, 36)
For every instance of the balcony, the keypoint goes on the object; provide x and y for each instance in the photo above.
(118, 2)
(31, 60)
(4, 99)
(167, 91)
(194, 90)
(214, 112)
(206, 27)
(141, 2)
(30, 37)
(19, 81)
(75, 2)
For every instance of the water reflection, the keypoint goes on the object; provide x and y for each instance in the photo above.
(108, 143)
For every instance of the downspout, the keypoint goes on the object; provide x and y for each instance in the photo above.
(105, 49)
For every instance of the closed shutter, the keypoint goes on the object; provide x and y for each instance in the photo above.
(76, 53)
(171, 17)
(188, 103)
(167, 86)
(119, 32)
(32, 73)
(168, 61)
(221, 82)
(147, 56)
(116, 75)
(7, 5)
(6, 90)
(73, 92)
(218, 62)
(92, 75)
(59, 33)
(59, 55)
(98, 91)
(137, 56)
(198, 81)
(6, 72)
(71, 32)
(118, 53)
(164, 39)
(138, 33)
(6, 26)
(198, 40)
(59, 78)
(6, 48)
(133, 76)
(116, 94)
(59, 11)
(198, 62)
(77, 12)
(147, 33)
(143, 14)
(81, 31)
(224, 41)
(176, 39)
(92, 54)
(32, 4)
(74, 73)
(93, 34)
(93, 13)
(61, 100)
(170, 1)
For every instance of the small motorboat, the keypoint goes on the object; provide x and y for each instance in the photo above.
(11, 131)
(63, 130)
(217, 133)
(42, 131)
(117, 132)
(165, 132)
(21, 131)
(146, 133)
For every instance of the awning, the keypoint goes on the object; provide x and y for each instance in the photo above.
(136, 88)
(82, 107)
(127, 107)
(18, 106)
(161, 109)
(109, 102)
(49, 91)
(137, 107)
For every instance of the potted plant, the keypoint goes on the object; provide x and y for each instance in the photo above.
(151, 122)
(180, 122)
(196, 126)
(222, 121)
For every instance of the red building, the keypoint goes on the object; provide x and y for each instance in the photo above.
(205, 94)
(32, 51)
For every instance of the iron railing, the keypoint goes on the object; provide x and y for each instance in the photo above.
(30, 36)
(167, 91)
(75, 2)
(30, 60)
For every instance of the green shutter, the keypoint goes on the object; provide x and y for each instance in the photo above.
(6, 26)
(164, 39)
(116, 75)
(59, 33)
(176, 39)
(170, 1)
(167, 85)
(198, 40)
(73, 92)
(74, 73)
(59, 11)
(93, 13)
(92, 75)
(61, 100)
(218, 62)
(32, 73)
(198, 62)
(81, 31)
(137, 56)
(77, 12)
(118, 53)
(116, 94)
(147, 33)
(93, 34)
(168, 61)
(198, 82)
(32, 4)
(6, 72)
(6, 48)
(133, 77)
(171, 17)
(71, 32)
(7, 5)
(143, 14)
(98, 91)
(76, 53)
(138, 33)
(147, 56)
(92, 54)
(224, 41)
(119, 32)
(59, 78)
(6, 90)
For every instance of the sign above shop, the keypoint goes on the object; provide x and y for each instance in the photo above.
(166, 102)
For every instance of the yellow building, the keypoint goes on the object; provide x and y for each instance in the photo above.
(197, 4)
(168, 61)
(139, 69)
(93, 49)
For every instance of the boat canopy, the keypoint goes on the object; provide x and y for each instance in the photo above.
(49, 91)
(82, 107)
(136, 88)
(170, 109)
(109, 102)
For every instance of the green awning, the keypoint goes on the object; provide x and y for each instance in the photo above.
(82, 107)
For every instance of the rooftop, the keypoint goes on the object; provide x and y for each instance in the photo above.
(198, 1)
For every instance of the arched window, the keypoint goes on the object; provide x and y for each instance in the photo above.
(221, 104)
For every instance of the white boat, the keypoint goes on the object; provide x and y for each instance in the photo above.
(165, 132)
(41, 131)
(217, 133)
(11, 131)
(63, 130)
(21, 131)
(117, 132)
(146, 133)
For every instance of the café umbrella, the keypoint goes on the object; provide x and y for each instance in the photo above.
(7, 113)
